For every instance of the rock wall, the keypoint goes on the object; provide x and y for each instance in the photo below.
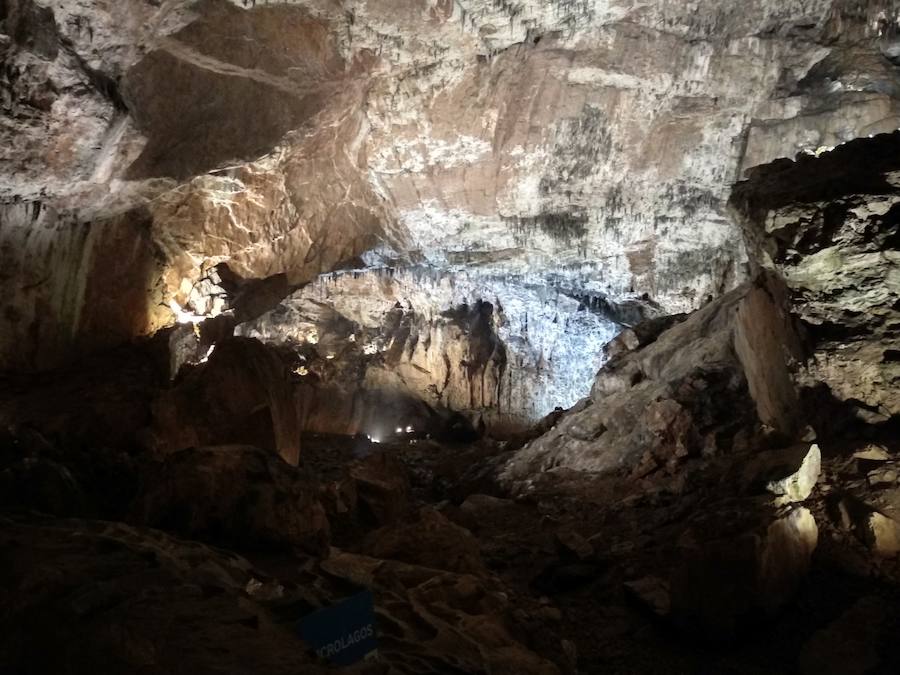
(808, 348)
(501, 351)
(586, 148)
(829, 227)
(705, 386)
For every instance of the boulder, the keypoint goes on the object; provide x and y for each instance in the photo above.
(882, 534)
(872, 453)
(430, 541)
(710, 383)
(382, 488)
(570, 545)
(235, 496)
(242, 394)
(792, 473)
(738, 563)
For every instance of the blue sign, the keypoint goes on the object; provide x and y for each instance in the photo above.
(344, 633)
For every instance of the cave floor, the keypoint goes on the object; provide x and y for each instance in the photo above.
(564, 575)
(567, 550)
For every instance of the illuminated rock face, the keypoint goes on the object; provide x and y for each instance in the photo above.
(810, 343)
(462, 343)
(540, 153)
(829, 226)
(700, 388)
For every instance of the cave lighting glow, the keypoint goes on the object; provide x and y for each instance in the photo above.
(181, 316)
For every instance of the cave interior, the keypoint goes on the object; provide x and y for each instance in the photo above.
(449, 336)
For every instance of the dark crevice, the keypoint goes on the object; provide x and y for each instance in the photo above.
(104, 84)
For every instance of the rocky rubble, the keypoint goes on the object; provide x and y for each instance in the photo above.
(80, 593)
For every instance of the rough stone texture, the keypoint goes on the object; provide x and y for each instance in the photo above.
(382, 487)
(242, 394)
(76, 594)
(74, 284)
(154, 76)
(437, 622)
(449, 206)
(431, 541)
(754, 566)
(584, 147)
(801, 477)
(706, 385)
(82, 592)
(849, 644)
(510, 352)
(823, 339)
(233, 495)
(829, 226)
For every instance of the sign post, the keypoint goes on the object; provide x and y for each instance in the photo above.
(344, 633)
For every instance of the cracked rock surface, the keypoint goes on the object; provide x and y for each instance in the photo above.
(584, 147)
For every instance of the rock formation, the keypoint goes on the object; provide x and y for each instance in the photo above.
(581, 149)
(568, 329)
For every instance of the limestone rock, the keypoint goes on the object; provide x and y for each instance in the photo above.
(430, 541)
(872, 453)
(722, 580)
(241, 395)
(508, 353)
(382, 486)
(234, 495)
(572, 160)
(882, 534)
(443, 620)
(828, 225)
(80, 592)
(657, 405)
(849, 645)
(797, 486)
